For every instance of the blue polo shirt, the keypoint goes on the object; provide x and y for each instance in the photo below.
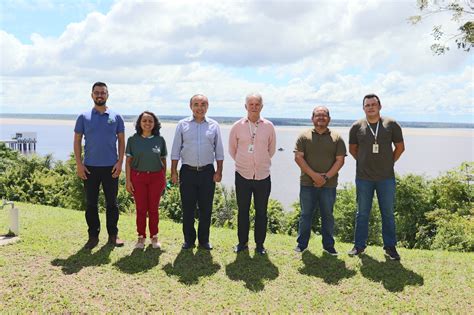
(100, 135)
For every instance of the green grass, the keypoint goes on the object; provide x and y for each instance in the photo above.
(48, 271)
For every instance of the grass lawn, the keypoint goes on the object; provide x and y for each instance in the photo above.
(48, 271)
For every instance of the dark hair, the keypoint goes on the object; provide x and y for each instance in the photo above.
(370, 96)
(99, 84)
(156, 128)
(191, 99)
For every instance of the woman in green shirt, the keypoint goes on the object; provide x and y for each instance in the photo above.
(146, 174)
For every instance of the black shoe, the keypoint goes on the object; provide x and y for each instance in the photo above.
(261, 250)
(240, 247)
(115, 241)
(391, 252)
(356, 251)
(206, 246)
(330, 251)
(92, 242)
(187, 245)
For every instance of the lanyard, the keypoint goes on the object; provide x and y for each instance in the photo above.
(254, 132)
(376, 130)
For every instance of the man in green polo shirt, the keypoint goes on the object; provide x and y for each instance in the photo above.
(320, 154)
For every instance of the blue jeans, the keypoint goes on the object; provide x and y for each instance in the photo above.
(310, 199)
(386, 196)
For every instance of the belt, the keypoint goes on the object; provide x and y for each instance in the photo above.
(197, 168)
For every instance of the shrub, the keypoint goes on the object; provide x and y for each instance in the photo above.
(411, 203)
(453, 231)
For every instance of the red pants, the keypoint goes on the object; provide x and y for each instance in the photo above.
(148, 187)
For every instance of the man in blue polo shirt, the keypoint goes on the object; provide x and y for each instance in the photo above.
(101, 129)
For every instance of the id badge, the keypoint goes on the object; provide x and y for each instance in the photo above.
(250, 148)
(375, 148)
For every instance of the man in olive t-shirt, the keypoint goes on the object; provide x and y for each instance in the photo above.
(319, 153)
(370, 143)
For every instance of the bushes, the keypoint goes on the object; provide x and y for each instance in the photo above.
(431, 214)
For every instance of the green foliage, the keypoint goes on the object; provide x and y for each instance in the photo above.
(453, 231)
(452, 191)
(461, 15)
(411, 203)
(430, 214)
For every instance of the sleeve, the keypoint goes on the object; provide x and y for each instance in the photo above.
(272, 141)
(128, 148)
(120, 124)
(233, 141)
(299, 146)
(353, 134)
(341, 147)
(219, 148)
(397, 135)
(79, 128)
(177, 143)
(164, 150)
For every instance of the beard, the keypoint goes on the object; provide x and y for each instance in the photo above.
(100, 103)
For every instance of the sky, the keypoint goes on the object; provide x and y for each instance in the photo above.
(154, 55)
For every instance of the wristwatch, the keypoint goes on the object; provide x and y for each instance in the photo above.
(326, 178)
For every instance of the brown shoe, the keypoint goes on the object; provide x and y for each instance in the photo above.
(114, 240)
(92, 242)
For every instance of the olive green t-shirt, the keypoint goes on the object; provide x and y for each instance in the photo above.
(375, 166)
(320, 151)
(146, 152)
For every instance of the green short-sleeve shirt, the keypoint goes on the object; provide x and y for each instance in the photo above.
(320, 151)
(375, 166)
(146, 152)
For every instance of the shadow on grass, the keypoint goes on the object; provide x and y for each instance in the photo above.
(327, 267)
(84, 258)
(393, 276)
(252, 270)
(139, 260)
(189, 266)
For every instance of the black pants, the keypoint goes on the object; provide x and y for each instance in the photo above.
(197, 189)
(244, 188)
(101, 175)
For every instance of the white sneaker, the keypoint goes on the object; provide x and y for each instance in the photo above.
(140, 243)
(154, 243)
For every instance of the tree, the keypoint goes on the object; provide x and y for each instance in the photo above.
(462, 12)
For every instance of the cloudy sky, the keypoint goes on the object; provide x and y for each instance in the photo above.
(156, 54)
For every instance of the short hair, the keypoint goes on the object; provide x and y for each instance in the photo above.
(99, 84)
(156, 128)
(191, 99)
(370, 96)
(257, 95)
(323, 107)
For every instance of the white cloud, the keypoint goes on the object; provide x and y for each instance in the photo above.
(156, 54)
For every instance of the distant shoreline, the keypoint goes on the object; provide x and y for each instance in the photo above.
(230, 120)
(453, 132)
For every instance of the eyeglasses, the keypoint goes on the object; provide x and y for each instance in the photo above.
(100, 93)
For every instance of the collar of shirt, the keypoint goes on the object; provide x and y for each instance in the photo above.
(326, 132)
(246, 119)
(191, 118)
(95, 111)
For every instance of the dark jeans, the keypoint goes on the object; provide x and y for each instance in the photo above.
(312, 198)
(386, 196)
(101, 175)
(244, 188)
(197, 189)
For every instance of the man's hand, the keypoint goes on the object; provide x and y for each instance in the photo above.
(217, 177)
(117, 169)
(319, 180)
(129, 187)
(174, 177)
(82, 171)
